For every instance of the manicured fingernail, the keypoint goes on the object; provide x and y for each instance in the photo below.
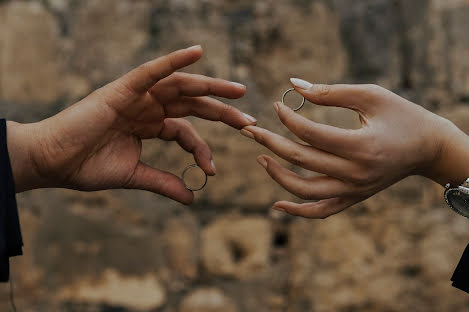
(213, 166)
(250, 118)
(278, 209)
(196, 47)
(261, 160)
(300, 83)
(239, 85)
(277, 106)
(247, 133)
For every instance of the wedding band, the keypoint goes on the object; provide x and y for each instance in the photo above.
(283, 100)
(185, 184)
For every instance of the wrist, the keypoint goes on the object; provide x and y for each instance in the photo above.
(21, 149)
(452, 157)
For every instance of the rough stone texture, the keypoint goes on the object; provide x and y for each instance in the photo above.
(236, 246)
(182, 245)
(30, 53)
(228, 252)
(111, 288)
(207, 300)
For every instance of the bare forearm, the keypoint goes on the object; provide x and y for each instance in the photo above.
(452, 165)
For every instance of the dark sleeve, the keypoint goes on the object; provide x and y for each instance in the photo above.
(11, 242)
(461, 274)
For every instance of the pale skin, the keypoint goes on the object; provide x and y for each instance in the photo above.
(397, 139)
(96, 143)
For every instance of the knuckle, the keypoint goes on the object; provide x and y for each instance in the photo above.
(260, 138)
(178, 78)
(185, 124)
(226, 112)
(362, 177)
(371, 152)
(296, 158)
(373, 89)
(303, 194)
(203, 151)
(308, 135)
(143, 67)
(321, 89)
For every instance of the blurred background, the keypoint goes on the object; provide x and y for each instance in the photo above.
(127, 250)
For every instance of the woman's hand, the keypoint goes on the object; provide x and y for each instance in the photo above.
(96, 143)
(397, 139)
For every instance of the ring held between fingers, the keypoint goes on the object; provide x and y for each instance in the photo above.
(182, 131)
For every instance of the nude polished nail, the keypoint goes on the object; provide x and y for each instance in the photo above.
(300, 83)
(247, 133)
(261, 160)
(277, 106)
(237, 84)
(250, 118)
(196, 47)
(278, 209)
(213, 166)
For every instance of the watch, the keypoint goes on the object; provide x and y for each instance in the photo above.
(458, 198)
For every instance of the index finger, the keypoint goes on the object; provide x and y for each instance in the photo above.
(210, 109)
(142, 78)
(328, 138)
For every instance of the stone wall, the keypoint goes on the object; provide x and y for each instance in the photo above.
(136, 251)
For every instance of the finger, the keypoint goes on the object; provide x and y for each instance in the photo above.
(183, 132)
(142, 78)
(314, 188)
(356, 97)
(209, 109)
(332, 139)
(160, 182)
(301, 155)
(183, 84)
(318, 210)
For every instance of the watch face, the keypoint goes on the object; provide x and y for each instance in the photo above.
(458, 201)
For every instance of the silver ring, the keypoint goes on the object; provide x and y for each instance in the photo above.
(283, 100)
(187, 186)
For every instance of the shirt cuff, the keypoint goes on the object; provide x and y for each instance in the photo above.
(11, 241)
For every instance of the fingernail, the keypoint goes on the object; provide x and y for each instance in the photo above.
(250, 118)
(300, 83)
(247, 133)
(277, 106)
(261, 160)
(278, 209)
(239, 85)
(213, 166)
(196, 47)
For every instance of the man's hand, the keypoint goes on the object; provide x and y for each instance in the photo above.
(96, 143)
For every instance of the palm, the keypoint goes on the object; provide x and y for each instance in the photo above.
(117, 154)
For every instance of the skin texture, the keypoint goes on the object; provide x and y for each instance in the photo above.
(96, 143)
(398, 138)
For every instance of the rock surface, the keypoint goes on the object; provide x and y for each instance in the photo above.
(135, 251)
(236, 246)
(207, 300)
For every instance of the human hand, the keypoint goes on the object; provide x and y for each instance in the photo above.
(397, 139)
(96, 143)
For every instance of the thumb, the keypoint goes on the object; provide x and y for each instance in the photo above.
(354, 97)
(160, 182)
